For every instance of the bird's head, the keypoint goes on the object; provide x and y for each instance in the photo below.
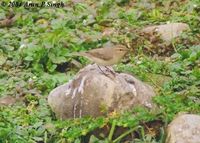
(121, 50)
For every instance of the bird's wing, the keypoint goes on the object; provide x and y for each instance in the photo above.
(100, 55)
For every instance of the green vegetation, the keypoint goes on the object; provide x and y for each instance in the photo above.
(34, 50)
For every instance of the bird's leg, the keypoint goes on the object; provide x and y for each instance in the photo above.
(102, 70)
(110, 70)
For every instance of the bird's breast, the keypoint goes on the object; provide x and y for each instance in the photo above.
(102, 62)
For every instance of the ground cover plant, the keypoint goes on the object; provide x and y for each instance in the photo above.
(35, 44)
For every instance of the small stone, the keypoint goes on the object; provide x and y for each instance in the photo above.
(184, 129)
(7, 100)
(168, 31)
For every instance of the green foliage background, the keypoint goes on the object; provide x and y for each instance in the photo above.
(34, 60)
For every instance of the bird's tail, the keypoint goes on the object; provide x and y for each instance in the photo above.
(76, 54)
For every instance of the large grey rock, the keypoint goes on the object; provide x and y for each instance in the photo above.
(184, 129)
(93, 93)
(167, 31)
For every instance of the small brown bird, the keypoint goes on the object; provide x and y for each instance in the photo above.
(105, 56)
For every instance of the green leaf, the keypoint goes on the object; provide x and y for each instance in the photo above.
(28, 58)
(3, 58)
(57, 59)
